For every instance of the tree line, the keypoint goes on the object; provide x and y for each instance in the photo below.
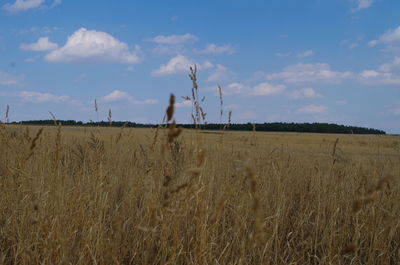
(267, 127)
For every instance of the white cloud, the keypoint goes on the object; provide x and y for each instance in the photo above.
(305, 54)
(184, 104)
(235, 88)
(304, 93)
(8, 80)
(22, 5)
(42, 30)
(146, 101)
(363, 4)
(38, 97)
(220, 74)
(262, 89)
(47, 30)
(393, 66)
(115, 95)
(43, 44)
(118, 95)
(318, 72)
(369, 74)
(174, 39)
(377, 78)
(215, 49)
(390, 37)
(265, 89)
(94, 46)
(56, 3)
(312, 109)
(179, 65)
(351, 44)
(372, 43)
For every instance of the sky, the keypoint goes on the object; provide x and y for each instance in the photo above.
(335, 61)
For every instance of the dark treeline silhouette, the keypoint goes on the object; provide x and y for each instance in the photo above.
(268, 127)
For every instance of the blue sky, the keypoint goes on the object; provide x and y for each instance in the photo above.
(280, 60)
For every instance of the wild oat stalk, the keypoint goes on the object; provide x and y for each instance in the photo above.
(198, 114)
(109, 117)
(34, 143)
(57, 140)
(6, 116)
(96, 109)
(173, 131)
(221, 102)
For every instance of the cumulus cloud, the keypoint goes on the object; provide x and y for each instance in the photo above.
(363, 4)
(38, 97)
(387, 74)
(23, 5)
(42, 44)
(304, 93)
(393, 66)
(265, 89)
(220, 74)
(372, 43)
(305, 54)
(94, 46)
(179, 65)
(215, 49)
(318, 72)
(115, 95)
(174, 39)
(352, 43)
(390, 37)
(234, 89)
(262, 89)
(378, 78)
(118, 95)
(56, 3)
(8, 80)
(42, 30)
(312, 109)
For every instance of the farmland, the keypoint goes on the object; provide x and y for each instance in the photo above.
(73, 195)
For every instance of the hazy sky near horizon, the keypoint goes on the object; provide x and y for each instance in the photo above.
(281, 60)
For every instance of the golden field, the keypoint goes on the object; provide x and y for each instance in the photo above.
(73, 195)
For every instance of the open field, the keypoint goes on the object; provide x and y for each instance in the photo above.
(72, 195)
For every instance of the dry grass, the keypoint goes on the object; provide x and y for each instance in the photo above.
(119, 196)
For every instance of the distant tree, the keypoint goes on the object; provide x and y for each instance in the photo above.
(263, 127)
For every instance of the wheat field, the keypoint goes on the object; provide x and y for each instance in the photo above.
(72, 195)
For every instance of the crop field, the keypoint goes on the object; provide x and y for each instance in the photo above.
(74, 195)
